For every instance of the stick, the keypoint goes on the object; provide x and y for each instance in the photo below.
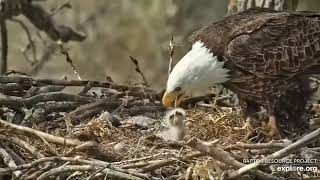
(45, 97)
(278, 154)
(9, 72)
(138, 70)
(166, 162)
(4, 46)
(90, 106)
(268, 145)
(69, 60)
(60, 82)
(66, 4)
(9, 162)
(31, 42)
(171, 51)
(67, 168)
(224, 157)
(93, 164)
(22, 144)
(47, 137)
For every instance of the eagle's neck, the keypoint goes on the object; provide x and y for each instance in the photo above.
(198, 70)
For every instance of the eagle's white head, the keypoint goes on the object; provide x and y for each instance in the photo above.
(195, 73)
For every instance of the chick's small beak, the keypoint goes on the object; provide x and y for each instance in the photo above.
(172, 99)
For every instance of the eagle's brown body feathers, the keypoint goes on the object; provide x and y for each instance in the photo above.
(269, 53)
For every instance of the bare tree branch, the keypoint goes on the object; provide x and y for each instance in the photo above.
(278, 154)
(4, 46)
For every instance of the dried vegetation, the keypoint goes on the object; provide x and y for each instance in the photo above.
(105, 130)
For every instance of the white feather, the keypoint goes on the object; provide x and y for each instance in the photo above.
(197, 71)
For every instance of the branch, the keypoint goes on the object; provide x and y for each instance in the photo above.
(4, 46)
(277, 155)
(91, 165)
(43, 21)
(15, 102)
(69, 60)
(22, 144)
(47, 137)
(171, 51)
(9, 161)
(66, 168)
(66, 4)
(31, 42)
(44, 82)
(224, 157)
(15, 72)
(138, 70)
(166, 162)
(44, 58)
(268, 145)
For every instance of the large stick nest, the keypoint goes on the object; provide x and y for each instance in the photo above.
(110, 130)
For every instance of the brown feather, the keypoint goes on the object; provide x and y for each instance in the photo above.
(267, 51)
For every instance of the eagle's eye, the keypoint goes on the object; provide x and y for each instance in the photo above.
(177, 89)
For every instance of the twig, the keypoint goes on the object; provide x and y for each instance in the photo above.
(65, 4)
(50, 88)
(86, 89)
(44, 58)
(82, 147)
(9, 87)
(63, 106)
(161, 163)
(138, 159)
(93, 164)
(67, 168)
(278, 154)
(22, 144)
(52, 48)
(9, 162)
(89, 106)
(45, 97)
(31, 42)
(42, 20)
(223, 156)
(138, 70)
(156, 165)
(69, 60)
(47, 137)
(171, 52)
(15, 72)
(45, 142)
(268, 145)
(15, 156)
(61, 82)
(4, 46)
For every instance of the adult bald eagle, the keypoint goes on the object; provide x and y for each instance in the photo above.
(261, 55)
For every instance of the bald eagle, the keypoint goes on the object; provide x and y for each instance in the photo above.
(263, 56)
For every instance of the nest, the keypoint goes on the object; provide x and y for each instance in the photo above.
(48, 133)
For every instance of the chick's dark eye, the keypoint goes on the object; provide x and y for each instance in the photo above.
(177, 89)
(171, 116)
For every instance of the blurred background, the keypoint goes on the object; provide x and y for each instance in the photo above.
(117, 29)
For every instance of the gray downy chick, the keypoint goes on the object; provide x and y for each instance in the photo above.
(174, 128)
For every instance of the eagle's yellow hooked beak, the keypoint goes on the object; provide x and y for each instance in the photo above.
(172, 99)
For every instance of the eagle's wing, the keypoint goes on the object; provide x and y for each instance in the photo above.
(284, 45)
(266, 42)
